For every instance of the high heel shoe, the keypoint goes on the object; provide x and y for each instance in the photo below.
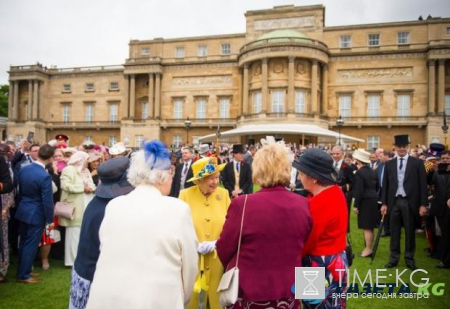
(366, 256)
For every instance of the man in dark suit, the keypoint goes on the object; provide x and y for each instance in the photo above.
(183, 172)
(384, 156)
(35, 210)
(404, 195)
(237, 176)
(440, 208)
(248, 157)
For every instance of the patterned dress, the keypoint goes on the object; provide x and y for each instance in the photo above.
(7, 201)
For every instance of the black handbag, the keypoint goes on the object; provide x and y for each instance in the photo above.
(349, 250)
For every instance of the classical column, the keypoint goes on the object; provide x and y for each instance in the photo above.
(245, 90)
(150, 95)
(30, 100)
(10, 99)
(16, 100)
(132, 95)
(441, 85)
(323, 108)
(35, 99)
(291, 88)
(314, 87)
(125, 109)
(431, 86)
(264, 90)
(157, 95)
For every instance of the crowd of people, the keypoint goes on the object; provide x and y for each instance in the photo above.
(155, 228)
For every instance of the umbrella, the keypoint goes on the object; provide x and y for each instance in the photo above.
(377, 239)
(200, 285)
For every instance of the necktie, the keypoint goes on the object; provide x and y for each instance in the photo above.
(29, 158)
(237, 167)
(185, 169)
(335, 165)
(401, 163)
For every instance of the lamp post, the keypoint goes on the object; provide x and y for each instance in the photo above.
(339, 123)
(445, 130)
(187, 124)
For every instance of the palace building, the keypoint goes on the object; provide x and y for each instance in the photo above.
(286, 68)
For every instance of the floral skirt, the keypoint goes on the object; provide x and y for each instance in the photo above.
(288, 303)
(79, 291)
(333, 270)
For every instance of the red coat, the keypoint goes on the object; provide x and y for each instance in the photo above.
(276, 225)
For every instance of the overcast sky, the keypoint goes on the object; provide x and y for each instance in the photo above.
(78, 33)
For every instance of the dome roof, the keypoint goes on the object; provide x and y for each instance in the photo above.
(283, 33)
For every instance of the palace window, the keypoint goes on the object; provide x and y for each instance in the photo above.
(373, 105)
(201, 108)
(278, 101)
(300, 106)
(114, 86)
(345, 41)
(88, 138)
(373, 141)
(144, 110)
(113, 112)
(138, 140)
(257, 102)
(89, 116)
(226, 49)
(112, 140)
(177, 141)
(402, 38)
(374, 39)
(224, 108)
(403, 105)
(66, 113)
(90, 87)
(447, 104)
(19, 138)
(345, 105)
(202, 51)
(179, 52)
(145, 51)
(178, 109)
(67, 88)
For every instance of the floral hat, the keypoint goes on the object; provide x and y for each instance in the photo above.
(205, 167)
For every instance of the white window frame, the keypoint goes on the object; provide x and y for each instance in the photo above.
(88, 138)
(201, 108)
(403, 104)
(345, 105)
(67, 88)
(373, 141)
(224, 108)
(278, 101)
(89, 112)
(225, 49)
(373, 39)
(179, 52)
(90, 87)
(113, 112)
(138, 140)
(66, 113)
(178, 109)
(145, 51)
(257, 102)
(177, 140)
(145, 106)
(114, 86)
(300, 102)
(403, 38)
(112, 140)
(373, 105)
(345, 41)
(202, 50)
(19, 138)
(447, 104)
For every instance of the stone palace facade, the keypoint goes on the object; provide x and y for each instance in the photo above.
(288, 67)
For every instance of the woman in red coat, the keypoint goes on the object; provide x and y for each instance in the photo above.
(326, 243)
(275, 228)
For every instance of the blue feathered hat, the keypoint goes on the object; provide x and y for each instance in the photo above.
(157, 156)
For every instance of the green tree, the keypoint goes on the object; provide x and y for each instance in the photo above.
(4, 94)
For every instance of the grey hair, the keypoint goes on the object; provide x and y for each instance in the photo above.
(140, 172)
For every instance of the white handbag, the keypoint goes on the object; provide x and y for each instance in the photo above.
(229, 283)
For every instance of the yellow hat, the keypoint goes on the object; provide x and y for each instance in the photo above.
(205, 167)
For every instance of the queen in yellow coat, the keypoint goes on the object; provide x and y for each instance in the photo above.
(209, 205)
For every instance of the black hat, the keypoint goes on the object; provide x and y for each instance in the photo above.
(317, 164)
(238, 148)
(62, 137)
(113, 178)
(401, 140)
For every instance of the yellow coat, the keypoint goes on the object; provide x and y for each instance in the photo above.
(208, 215)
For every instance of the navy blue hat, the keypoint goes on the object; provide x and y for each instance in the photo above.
(435, 150)
(317, 164)
(113, 178)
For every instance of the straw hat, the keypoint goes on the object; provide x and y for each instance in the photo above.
(361, 155)
(205, 167)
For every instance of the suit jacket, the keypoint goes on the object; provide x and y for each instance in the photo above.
(248, 158)
(175, 189)
(415, 185)
(36, 196)
(441, 194)
(245, 178)
(379, 171)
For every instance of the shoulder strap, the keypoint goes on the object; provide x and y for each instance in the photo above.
(240, 233)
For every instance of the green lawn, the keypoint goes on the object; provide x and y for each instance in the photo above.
(53, 291)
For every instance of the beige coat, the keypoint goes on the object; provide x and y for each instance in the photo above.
(148, 256)
(72, 192)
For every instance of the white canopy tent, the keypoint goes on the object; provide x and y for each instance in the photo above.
(273, 129)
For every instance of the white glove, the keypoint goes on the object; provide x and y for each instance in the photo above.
(206, 247)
